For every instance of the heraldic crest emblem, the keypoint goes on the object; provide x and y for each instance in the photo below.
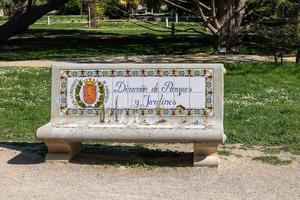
(90, 93)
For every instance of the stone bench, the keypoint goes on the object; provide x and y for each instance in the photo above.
(162, 103)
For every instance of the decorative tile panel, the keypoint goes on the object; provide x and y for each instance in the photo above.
(145, 92)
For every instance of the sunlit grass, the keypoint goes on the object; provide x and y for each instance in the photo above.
(262, 104)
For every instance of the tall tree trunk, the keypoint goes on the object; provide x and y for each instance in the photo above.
(222, 18)
(20, 22)
(230, 17)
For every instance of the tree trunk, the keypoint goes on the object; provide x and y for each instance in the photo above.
(95, 18)
(230, 17)
(19, 23)
(298, 56)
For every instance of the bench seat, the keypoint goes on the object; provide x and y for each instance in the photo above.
(131, 133)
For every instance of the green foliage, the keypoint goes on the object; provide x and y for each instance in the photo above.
(152, 4)
(276, 21)
(100, 9)
(77, 95)
(71, 8)
(110, 10)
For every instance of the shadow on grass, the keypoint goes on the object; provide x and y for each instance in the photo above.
(77, 45)
(132, 156)
(101, 154)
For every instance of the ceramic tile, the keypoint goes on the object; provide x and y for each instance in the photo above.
(135, 100)
(197, 84)
(83, 92)
(120, 101)
(182, 101)
(197, 100)
(165, 84)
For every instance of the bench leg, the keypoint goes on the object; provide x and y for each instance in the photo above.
(206, 154)
(61, 151)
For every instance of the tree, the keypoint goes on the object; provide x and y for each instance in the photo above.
(277, 21)
(96, 12)
(129, 6)
(223, 18)
(25, 14)
(73, 7)
(152, 4)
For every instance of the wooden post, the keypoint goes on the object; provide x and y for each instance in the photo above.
(298, 56)
(176, 18)
(81, 9)
(173, 29)
(167, 22)
(276, 57)
(48, 20)
(89, 17)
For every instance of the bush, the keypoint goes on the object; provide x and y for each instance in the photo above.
(70, 8)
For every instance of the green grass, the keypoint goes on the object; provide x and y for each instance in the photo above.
(121, 27)
(69, 37)
(262, 104)
(272, 160)
(224, 152)
(76, 44)
(24, 103)
(112, 26)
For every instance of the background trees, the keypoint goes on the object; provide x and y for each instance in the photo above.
(24, 13)
(276, 21)
(223, 18)
(229, 22)
(73, 7)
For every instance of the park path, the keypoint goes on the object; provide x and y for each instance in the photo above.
(24, 175)
(146, 59)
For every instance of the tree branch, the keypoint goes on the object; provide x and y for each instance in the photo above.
(204, 6)
(178, 6)
(29, 5)
(20, 23)
(205, 19)
(231, 17)
(214, 15)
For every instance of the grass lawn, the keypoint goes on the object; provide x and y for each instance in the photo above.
(262, 104)
(69, 37)
(112, 26)
(78, 44)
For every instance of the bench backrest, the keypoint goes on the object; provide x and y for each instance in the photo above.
(186, 94)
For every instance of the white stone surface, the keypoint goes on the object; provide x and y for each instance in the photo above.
(207, 128)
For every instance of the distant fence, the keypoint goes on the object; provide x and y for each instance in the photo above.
(162, 17)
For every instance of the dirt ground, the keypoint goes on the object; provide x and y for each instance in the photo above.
(147, 59)
(25, 175)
